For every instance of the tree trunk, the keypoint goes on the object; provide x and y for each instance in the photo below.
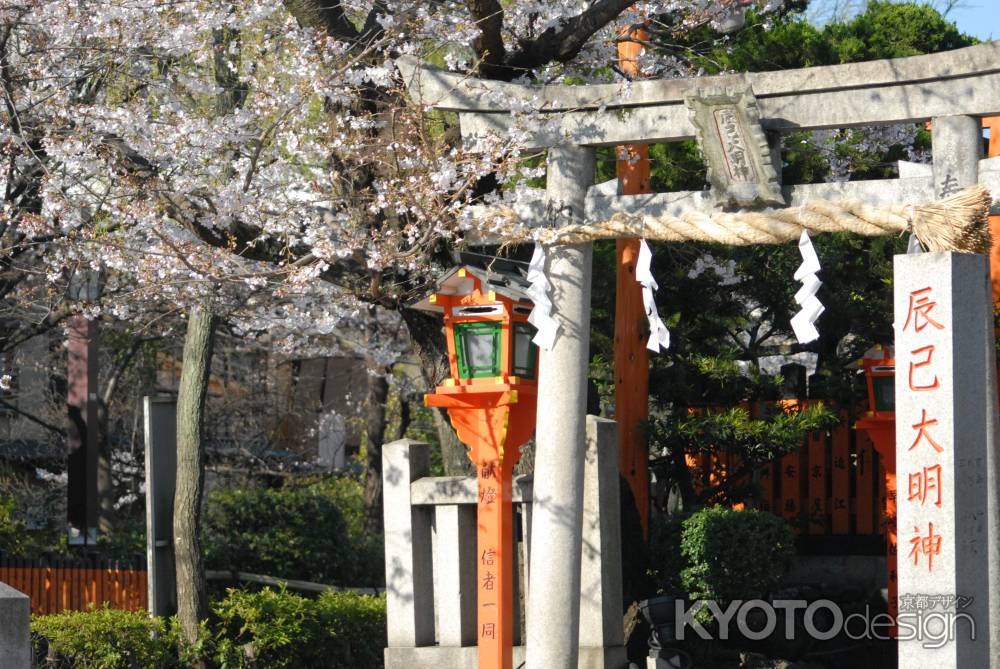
(192, 596)
(375, 416)
(378, 393)
(454, 454)
(427, 335)
(405, 416)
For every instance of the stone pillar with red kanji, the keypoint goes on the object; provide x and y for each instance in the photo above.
(945, 427)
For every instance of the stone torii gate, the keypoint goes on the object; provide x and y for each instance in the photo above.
(953, 90)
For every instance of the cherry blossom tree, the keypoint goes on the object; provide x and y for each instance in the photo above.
(257, 160)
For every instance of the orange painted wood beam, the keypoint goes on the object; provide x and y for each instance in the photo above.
(992, 123)
(631, 356)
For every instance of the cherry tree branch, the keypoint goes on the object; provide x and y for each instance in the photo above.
(561, 43)
(323, 14)
(33, 418)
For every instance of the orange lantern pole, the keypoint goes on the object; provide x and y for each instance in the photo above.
(491, 398)
(880, 424)
(631, 356)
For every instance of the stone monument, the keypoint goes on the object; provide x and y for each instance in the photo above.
(945, 368)
(161, 478)
(15, 635)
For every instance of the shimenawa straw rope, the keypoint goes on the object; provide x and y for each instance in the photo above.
(956, 223)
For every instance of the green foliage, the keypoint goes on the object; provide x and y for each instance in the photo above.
(12, 530)
(106, 639)
(16, 540)
(280, 630)
(263, 630)
(358, 626)
(883, 30)
(127, 541)
(665, 559)
(754, 440)
(312, 533)
(734, 554)
(894, 30)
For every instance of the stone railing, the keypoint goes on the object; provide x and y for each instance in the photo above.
(430, 555)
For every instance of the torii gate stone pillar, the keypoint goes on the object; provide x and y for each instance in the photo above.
(553, 610)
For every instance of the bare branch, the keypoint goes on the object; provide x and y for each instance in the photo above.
(33, 418)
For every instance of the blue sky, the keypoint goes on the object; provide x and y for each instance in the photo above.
(978, 17)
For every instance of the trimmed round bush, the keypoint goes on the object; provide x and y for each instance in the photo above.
(734, 554)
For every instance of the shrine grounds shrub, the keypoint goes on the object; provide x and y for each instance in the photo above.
(734, 554)
(280, 630)
(358, 626)
(104, 639)
(311, 533)
(665, 559)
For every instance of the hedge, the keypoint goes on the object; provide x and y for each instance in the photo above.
(313, 533)
(248, 630)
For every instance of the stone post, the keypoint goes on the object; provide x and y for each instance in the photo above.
(956, 147)
(15, 621)
(161, 480)
(602, 635)
(553, 614)
(409, 584)
(455, 573)
(945, 417)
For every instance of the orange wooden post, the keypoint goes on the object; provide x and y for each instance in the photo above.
(890, 530)
(492, 409)
(144, 590)
(992, 123)
(766, 478)
(17, 580)
(99, 581)
(816, 474)
(735, 462)
(790, 472)
(631, 355)
(840, 503)
(865, 477)
(38, 589)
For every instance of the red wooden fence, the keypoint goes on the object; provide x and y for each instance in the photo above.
(830, 486)
(63, 585)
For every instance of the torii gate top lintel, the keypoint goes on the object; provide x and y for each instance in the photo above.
(960, 82)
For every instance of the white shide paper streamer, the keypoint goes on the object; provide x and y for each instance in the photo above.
(541, 314)
(659, 335)
(804, 322)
